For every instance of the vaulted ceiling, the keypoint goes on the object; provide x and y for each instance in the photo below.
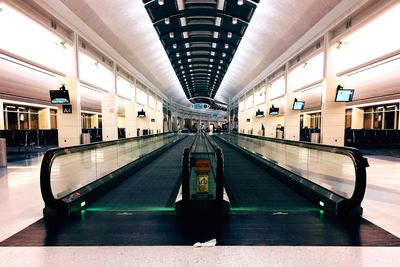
(200, 39)
(138, 31)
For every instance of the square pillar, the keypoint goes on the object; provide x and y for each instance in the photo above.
(69, 124)
(333, 114)
(109, 110)
(130, 118)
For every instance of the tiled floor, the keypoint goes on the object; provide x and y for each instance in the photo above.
(21, 205)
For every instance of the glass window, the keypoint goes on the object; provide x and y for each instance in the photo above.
(11, 118)
(348, 118)
(33, 118)
(141, 96)
(277, 88)
(124, 88)
(368, 112)
(94, 72)
(53, 118)
(390, 117)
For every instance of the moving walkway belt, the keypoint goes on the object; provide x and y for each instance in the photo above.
(154, 187)
(251, 187)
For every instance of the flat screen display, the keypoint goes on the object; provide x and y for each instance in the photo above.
(298, 105)
(59, 96)
(344, 95)
(259, 114)
(273, 111)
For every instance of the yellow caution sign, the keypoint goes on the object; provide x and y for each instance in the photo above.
(202, 182)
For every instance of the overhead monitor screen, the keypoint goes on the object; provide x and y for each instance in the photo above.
(298, 105)
(344, 95)
(59, 97)
(273, 111)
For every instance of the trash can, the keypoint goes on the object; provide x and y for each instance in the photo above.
(85, 138)
(314, 137)
(3, 153)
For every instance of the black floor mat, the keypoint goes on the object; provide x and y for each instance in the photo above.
(164, 228)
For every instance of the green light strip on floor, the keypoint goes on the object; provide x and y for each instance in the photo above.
(265, 209)
(130, 209)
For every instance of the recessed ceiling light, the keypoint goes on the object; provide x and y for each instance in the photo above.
(234, 20)
(226, 46)
(171, 35)
(177, 54)
(167, 21)
(179, 61)
(174, 46)
(223, 54)
(189, 60)
(221, 61)
(229, 35)
(212, 53)
(211, 60)
(240, 2)
(188, 53)
(161, 2)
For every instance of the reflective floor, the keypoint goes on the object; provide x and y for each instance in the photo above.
(21, 205)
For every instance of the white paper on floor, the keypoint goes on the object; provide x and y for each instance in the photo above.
(210, 243)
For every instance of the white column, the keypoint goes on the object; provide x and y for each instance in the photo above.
(109, 112)
(333, 113)
(44, 118)
(292, 118)
(130, 118)
(69, 124)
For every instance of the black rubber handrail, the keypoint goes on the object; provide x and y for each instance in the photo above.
(360, 164)
(186, 168)
(49, 157)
